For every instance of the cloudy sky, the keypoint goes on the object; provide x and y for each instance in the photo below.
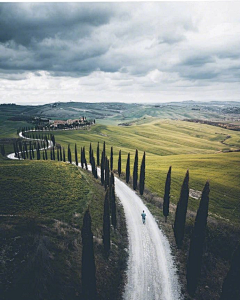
(131, 52)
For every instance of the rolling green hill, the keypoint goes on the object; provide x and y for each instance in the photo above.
(202, 149)
(41, 212)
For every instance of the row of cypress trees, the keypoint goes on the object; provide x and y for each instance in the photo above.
(231, 288)
(194, 261)
(135, 171)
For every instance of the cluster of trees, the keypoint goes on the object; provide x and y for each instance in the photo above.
(197, 240)
(26, 149)
(141, 183)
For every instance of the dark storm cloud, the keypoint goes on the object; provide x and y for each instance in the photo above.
(52, 37)
(81, 38)
(30, 22)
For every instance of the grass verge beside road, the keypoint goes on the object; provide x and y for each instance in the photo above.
(42, 205)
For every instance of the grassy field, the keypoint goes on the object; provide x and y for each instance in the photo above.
(183, 145)
(42, 206)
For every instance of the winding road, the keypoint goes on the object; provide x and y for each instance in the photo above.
(151, 273)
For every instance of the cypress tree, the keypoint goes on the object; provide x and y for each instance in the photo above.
(43, 155)
(181, 211)
(69, 154)
(20, 146)
(14, 149)
(104, 150)
(111, 159)
(90, 153)
(128, 168)
(106, 225)
(135, 171)
(119, 163)
(231, 286)
(93, 166)
(26, 149)
(166, 198)
(113, 207)
(98, 158)
(142, 175)
(53, 151)
(60, 150)
(102, 169)
(46, 157)
(76, 156)
(64, 155)
(111, 184)
(51, 154)
(38, 151)
(89, 290)
(111, 181)
(197, 242)
(106, 182)
(58, 156)
(33, 151)
(82, 160)
(30, 155)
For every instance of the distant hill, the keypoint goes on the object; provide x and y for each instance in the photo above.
(122, 112)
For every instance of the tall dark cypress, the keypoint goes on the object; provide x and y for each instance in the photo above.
(98, 155)
(181, 211)
(85, 162)
(53, 150)
(166, 198)
(64, 155)
(142, 174)
(104, 149)
(90, 153)
(26, 149)
(135, 170)
(46, 156)
(231, 286)
(111, 159)
(106, 224)
(76, 155)
(89, 290)
(14, 149)
(113, 207)
(61, 158)
(69, 154)
(38, 151)
(119, 163)
(128, 169)
(102, 169)
(106, 182)
(82, 160)
(94, 170)
(197, 242)
(58, 156)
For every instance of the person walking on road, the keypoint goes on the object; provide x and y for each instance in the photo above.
(143, 217)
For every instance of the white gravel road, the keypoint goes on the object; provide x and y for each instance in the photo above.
(151, 273)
